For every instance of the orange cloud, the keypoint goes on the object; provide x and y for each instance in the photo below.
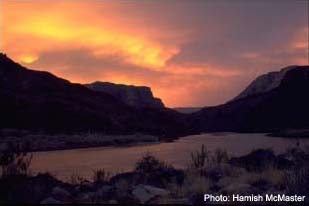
(49, 28)
(200, 69)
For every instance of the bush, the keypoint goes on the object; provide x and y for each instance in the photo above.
(200, 158)
(154, 172)
(149, 164)
(220, 156)
(297, 181)
(76, 179)
(101, 175)
(14, 160)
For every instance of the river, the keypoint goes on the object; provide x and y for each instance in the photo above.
(83, 162)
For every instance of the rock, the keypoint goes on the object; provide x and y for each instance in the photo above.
(113, 202)
(60, 194)
(239, 188)
(171, 201)
(225, 181)
(180, 201)
(50, 201)
(104, 192)
(129, 177)
(85, 186)
(275, 191)
(264, 83)
(136, 96)
(106, 188)
(216, 172)
(85, 197)
(144, 193)
(257, 160)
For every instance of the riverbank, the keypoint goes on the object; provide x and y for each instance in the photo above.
(156, 182)
(39, 141)
(291, 133)
(42, 141)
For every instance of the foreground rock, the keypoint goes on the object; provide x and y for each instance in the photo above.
(145, 193)
(261, 159)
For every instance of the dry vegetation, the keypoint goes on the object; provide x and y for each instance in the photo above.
(206, 173)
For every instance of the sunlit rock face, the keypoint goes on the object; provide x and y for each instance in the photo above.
(136, 96)
(264, 83)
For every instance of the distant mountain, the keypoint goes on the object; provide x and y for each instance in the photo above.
(282, 103)
(38, 100)
(187, 110)
(136, 96)
(265, 83)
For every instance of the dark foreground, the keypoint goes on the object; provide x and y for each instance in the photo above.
(153, 181)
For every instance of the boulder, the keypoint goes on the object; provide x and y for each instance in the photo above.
(103, 192)
(225, 181)
(60, 194)
(257, 160)
(84, 198)
(50, 201)
(144, 193)
(239, 188)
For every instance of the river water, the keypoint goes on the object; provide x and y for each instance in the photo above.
(83, 162)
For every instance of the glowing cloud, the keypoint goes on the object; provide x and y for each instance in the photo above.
(62, 29)
(28, 59)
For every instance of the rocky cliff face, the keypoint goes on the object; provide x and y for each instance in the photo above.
(136, 96)
(264, 83)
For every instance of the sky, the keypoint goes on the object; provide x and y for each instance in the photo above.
(190, 52)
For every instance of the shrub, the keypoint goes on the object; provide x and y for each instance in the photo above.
(149, 164)
(194, 186)
(14, 160)
(200, 158)
(270, 176)
(101, 175)
(76, 179)
(297, 181)
(220, 156)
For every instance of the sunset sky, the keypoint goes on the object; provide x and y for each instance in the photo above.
(191, 53)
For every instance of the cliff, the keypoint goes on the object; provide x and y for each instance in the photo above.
(136, 96)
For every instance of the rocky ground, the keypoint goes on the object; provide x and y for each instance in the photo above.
(153, 181)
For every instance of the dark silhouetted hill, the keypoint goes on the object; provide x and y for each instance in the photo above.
(285, 105)
(41, 101)
(187, 110)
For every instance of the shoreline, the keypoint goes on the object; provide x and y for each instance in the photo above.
(41, 142)
(60, 142)
(98, 146)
